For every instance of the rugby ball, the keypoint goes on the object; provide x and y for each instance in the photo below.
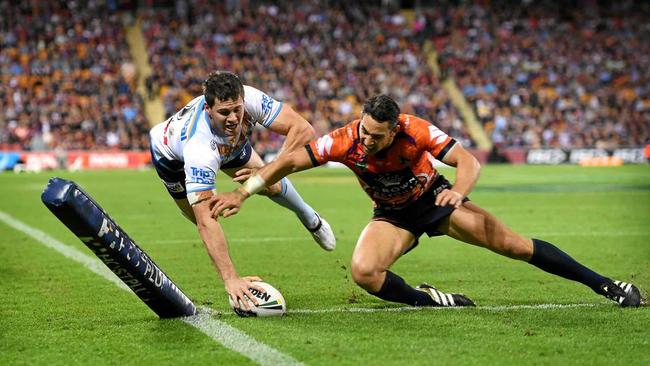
(271, 303)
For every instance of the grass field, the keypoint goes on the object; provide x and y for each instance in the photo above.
(56, 311)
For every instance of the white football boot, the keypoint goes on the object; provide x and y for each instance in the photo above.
(323, 234)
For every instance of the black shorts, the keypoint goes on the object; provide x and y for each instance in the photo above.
(421, 216)
(172, 172)
(241, 159)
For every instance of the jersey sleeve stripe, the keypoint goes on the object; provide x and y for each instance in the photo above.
(311, 156)
(446, 149)
(197, 113)
(267, 124)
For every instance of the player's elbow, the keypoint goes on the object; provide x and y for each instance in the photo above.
(202, 224)
(302, 130)
(476, 165)
(293, 163)
(307, 133)
(471, 162)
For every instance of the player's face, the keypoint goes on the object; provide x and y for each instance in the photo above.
(375, 136)
(227, 116)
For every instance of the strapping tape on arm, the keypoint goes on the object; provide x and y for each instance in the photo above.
(196, 197)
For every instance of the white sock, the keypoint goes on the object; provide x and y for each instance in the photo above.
(289, 198)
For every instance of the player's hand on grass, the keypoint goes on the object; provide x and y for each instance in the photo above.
(226, 204)
(243, 174)
(449, 198)
(238, 288)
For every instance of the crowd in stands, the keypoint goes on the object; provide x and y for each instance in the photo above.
(67, 79)
(323, 60)
(538, 74)
(551, 74)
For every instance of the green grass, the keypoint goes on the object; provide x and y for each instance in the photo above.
(55, 311)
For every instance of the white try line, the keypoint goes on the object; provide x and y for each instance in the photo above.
(237, 240)
(280, 239)
(226, 335)
(402, 309)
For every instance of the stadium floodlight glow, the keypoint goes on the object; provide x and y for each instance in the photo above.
(110, 243)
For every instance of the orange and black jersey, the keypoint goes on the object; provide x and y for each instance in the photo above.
(396, 175)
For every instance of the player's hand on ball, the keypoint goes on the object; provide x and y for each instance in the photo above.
(243, 174)
(449, 198)
(238, 290)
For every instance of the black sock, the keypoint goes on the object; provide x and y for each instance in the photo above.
(397, 290)
(552, 260)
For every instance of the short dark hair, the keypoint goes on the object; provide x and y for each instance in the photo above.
(222, 85)
(382, 108)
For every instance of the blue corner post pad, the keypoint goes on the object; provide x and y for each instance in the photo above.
(77, 210)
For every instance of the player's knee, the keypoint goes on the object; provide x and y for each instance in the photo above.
(366, 274)
(519, 248)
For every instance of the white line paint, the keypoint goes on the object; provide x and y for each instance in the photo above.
(275, 239)
(306, 238)
(239, 240)
(238, 341)
(68, 251)
(499, 308)
(219, 331)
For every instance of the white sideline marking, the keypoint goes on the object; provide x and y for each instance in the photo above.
(236, 340)
(68, 251)
(226, 335)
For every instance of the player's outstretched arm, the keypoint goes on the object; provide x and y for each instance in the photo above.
(229, 203)
(215, 242)
(467, 172)
(297, 130)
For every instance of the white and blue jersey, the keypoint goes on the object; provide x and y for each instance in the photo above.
(187, 143)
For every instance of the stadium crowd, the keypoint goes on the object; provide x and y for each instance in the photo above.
(323, 59)
(538, 74)
(68, 81)
(551, 74)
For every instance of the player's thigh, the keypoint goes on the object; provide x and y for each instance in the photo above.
(474, 225)
(379, 246)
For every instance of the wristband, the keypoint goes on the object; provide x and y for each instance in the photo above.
(254, 184)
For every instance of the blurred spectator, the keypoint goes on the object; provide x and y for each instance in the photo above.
(539, 74)
(323, 59)
(551, 74)
(67, 78)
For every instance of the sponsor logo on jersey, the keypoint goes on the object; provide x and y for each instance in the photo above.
(184, 130)
(201, 176)
(175, 187)
(267, 104)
